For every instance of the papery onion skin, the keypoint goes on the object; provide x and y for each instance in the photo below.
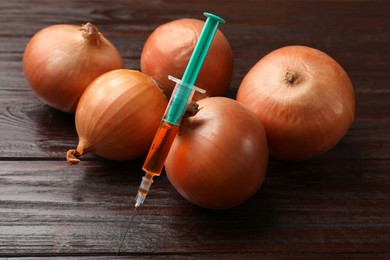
(304, 99)
(219, 159)
(118, 115)
(60, 61)
(169, 48)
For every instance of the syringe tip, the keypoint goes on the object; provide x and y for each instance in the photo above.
(143, 190)
(139, 200)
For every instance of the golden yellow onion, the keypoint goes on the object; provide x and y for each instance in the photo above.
(60, 61)
(219, 160)
(303, 97)
(118, 115)
(169, 48)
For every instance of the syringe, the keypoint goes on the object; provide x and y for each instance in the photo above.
(165, 135)
(171, 120)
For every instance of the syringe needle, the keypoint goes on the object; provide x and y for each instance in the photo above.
(127, 230)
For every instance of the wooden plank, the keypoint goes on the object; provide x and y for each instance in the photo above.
(357, 39)
(30, 129)
(334, 206)
(57, 209)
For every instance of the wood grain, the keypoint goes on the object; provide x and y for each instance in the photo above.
(333, 206)
(56, 209)
(31, 129)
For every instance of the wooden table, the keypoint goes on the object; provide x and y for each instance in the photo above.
(333, 206)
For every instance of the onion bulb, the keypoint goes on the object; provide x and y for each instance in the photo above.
(118, 115)
(304, 99)
(220, 157)
(60, 61)
(169, 48)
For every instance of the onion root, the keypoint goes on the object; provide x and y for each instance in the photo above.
(73, 154)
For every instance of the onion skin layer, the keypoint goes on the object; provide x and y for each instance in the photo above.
(169, 48)
(220, 158)
(60, 61)
(304, 99)
(118, 115)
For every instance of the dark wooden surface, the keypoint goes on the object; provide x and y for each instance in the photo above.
(333, 206)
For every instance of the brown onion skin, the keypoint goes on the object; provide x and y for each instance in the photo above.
(169, 48)
(219, 159)
(59, 63)
(118, 115)
(304, 99)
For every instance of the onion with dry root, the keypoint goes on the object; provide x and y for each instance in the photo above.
(169, 48)
(220, 157)
(118, 115)
(303, 97)
(60, 61)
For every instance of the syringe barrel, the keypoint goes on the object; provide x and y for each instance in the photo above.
(160, 147)
(169, 126)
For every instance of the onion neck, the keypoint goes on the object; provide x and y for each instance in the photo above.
(91, 33)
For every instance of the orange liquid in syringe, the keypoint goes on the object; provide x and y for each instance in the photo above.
(159, 150)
